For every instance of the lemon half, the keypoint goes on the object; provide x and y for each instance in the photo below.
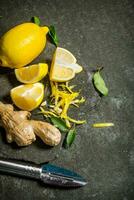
(31, 73)
(28, 97)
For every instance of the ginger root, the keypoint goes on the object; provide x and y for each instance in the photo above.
(23, 131)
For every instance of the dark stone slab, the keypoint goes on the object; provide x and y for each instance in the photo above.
(97, 33)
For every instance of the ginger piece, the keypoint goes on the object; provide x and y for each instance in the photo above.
(22, 130)
(16, 125)
(47, 132)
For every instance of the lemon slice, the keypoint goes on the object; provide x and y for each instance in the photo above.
(31, 73)
(61, 73)
(28, 97)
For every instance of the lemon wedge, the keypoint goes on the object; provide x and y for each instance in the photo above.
(64, 66)
(31, 73)
(65, 57)
(28, 97)
(61, 73)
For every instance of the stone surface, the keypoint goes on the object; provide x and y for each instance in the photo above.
(97, 33)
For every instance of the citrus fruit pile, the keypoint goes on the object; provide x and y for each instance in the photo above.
(29, 95)
(21, 45)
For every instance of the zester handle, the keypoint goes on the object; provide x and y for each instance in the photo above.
(20, 169)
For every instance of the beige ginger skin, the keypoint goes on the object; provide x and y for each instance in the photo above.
(20, 129)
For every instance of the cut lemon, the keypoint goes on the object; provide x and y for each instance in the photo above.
(64, 66)
(31, 73)
(77, 68)
(64, 56)
(61, 73)
(28, 97)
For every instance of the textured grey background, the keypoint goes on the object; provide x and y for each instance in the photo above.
(97, 33)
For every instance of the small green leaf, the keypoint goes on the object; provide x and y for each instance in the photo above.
(100, 84)
(52, 35)
(36, 20)
(59, 123)
(70, 138)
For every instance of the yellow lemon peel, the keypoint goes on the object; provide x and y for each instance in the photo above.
(47, 113)
(62, 97)
(102, 125)
(22, 44)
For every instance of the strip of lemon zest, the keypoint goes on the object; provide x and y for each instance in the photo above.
(75, 105)
(76, 121)
(102, 125)
(47, 113)
(82, 100)
(68, 123)
(66, 87)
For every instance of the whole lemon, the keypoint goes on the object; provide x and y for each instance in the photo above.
(22, 44)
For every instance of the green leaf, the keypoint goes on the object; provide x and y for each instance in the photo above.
(100, 84)
(59, 123)
(36, 20)
(52, 35)
(70, 138)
